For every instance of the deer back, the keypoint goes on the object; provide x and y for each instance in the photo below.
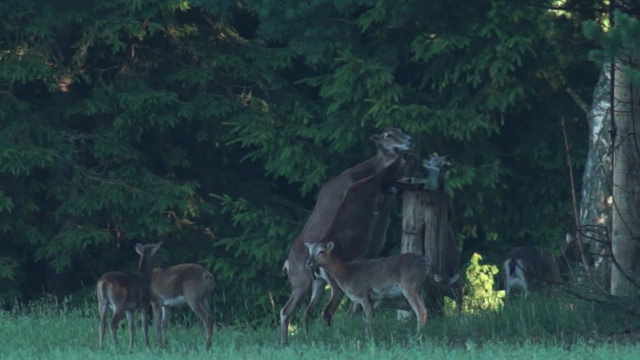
(366, 275)
(181, 280)
(123, 287)
(537, 265)
(132, 289)
(571, 255)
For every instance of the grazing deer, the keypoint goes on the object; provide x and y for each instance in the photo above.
(126, 293)
(189, 284)
(526, 265)
(389, 160)
(375, 279)
(447, 275)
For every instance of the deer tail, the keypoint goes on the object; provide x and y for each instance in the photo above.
(513, 264)
(208, 280)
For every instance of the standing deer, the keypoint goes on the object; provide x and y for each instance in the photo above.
(189, 284)
(332, 196)
(364, 281)
(126, 293)
(526, 265)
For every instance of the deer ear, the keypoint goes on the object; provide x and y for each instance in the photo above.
(155, 248)
(140, 248)
(308, 244)
(454, 279)
(330, 245)
(569, 238)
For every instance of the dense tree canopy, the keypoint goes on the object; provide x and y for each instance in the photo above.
(211, 125)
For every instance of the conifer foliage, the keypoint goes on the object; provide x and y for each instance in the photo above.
(210, 125)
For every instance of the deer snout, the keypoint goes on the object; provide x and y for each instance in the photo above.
(311, 264)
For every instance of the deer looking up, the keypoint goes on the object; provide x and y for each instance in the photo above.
(364, 281)
(332, 196)
(126, 293)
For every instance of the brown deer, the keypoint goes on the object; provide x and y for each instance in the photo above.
(189, 284)
(126, 293)
(526, 266)
(333, 195)
(364, 281)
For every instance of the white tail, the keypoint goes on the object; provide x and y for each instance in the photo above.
(527, 265)
(189, 284)
(366, 280)
(126, 293)
(514, 276)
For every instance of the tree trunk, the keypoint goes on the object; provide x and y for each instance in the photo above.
(626, 183)
(426, 231)
(595, 203)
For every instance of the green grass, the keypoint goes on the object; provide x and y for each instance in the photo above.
(552, 328)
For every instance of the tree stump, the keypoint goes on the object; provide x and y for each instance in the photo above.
(426, 230)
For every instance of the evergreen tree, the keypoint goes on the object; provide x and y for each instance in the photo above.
(212, 124)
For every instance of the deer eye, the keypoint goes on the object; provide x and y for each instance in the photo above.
(387, 135)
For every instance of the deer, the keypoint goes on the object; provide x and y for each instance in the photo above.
(390, 161)
(367, 280)
(527, 264)
(447, 276)
(126, 293)
(189, 284)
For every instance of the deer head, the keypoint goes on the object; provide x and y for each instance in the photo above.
(392, 141)
(319, 254)
(126, 293)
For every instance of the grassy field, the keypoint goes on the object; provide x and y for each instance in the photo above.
(550, 329)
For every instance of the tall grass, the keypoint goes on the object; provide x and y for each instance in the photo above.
(534, 328)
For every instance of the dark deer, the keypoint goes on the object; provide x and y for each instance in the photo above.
(189, 284)
(332, 196)
(364, 281)
(527, 265)
(126, 293)
(447, 275)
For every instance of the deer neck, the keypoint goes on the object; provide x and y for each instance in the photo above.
(372, 165)
(383, 159)
(336, 268)
(562, 262)
(145, 271)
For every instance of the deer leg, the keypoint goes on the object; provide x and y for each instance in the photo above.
(301, 280)
(285, 314)
(201, 308)
(334, 302)
(145, 324)
(456, 291)
(317, 290)
(102, 309)
(367, 310)
(132, 328)
(113, 324)
(166, 313)
(416, 303)
(353, 309)
(157, 318)
(208, 326)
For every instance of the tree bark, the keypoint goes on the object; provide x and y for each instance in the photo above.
(595, 202)
(426, 230)
(626, 182)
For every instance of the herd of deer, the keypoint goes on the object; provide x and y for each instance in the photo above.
(339, 245)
